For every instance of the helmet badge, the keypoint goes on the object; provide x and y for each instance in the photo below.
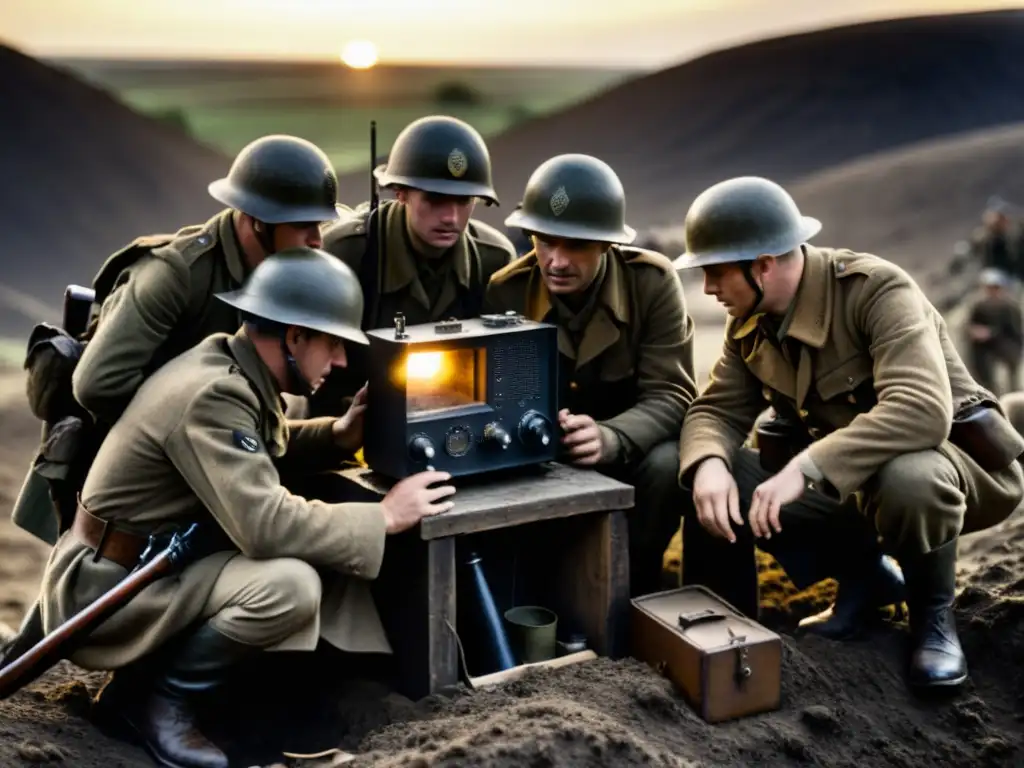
(457, 163)
(559, 201)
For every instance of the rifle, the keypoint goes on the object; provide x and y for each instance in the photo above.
(64, 640)
(372, 265)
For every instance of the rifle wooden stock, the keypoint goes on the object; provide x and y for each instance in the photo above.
(62, 642)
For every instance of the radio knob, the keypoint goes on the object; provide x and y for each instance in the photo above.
(535, 431)
(496, 433)
(421, 449)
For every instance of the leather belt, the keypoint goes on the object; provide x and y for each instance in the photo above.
(116, 545)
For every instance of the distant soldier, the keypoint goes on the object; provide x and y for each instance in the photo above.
(884, 435)
(203, 442)
(155, 300)
(994, 332)
(999, 242)
(625, 341)
(436, 258)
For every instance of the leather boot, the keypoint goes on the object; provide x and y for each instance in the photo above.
(861, 593)
(937, 658)
(165, 721)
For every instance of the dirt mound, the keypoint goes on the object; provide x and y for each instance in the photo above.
(826, 98)
(85, 176)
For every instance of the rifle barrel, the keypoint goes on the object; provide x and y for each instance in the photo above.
(63, 641)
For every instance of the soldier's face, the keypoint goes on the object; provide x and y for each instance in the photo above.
(729, 286)
(567, 266)
(316, 354)
(436, 219)
(305, 233)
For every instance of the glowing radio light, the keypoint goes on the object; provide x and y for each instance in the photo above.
(423, 365)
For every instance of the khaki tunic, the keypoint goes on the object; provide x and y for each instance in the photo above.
(176, 456)
(160, 306)
(876, 378)
(454, 287)
(632, 370)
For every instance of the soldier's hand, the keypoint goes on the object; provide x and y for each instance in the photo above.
(410, 500)
(582, 438)
(771, 496)
(717, 498)
(348, 429)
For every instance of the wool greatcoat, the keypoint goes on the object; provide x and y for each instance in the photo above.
(202, 441)
(867, 363)
(625, 360)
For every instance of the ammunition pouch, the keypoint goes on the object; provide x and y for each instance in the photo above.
(50, 361)
(779, 440)
(982, 432)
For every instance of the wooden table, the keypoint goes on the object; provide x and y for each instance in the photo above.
(570, 528)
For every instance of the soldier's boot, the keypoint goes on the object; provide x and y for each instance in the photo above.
(165, 722)
(861, 594)
(937, 660)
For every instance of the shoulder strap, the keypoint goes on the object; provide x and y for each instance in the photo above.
(369, 271)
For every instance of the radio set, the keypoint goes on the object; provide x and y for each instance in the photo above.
(461, 396)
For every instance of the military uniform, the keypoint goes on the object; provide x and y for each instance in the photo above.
(865, 367)
(217, 406)
(155, 301)
(1001, 315)
(435, 154)
(203, 442)
(625, 352)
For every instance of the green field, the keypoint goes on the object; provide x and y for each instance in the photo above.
(227, 104)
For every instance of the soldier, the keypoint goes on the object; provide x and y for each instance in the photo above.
(279, 191)
(202, 442)
(436, 259)
(625, 341)
(998, 242)
(994, 332)
(155, 300)
(849, 351)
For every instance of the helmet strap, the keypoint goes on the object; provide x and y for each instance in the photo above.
(296, 381)
(264, 235)
(747, 267)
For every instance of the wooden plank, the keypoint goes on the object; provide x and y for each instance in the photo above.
(442, 651)
(591, 581)
(544, 492)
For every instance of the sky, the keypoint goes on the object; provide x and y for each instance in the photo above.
(632, 33)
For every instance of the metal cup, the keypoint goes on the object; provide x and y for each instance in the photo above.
(532, 632)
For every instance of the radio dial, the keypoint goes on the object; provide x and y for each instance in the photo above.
(421, 449)
(496, 433)
(535, 431)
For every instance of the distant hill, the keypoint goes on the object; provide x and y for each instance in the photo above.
(785, 107)
(911, 205)
(83, 174)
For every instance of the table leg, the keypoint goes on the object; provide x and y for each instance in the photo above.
(594, 581)
(442, 650)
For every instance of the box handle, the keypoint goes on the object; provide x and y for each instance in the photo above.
(687, 620)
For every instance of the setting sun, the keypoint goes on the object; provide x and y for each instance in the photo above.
(359, 54)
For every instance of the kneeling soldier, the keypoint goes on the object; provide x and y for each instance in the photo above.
(202, 441)
(624, 338)
(875, 409)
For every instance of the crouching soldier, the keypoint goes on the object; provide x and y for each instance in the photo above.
(201, 442)
(885, 435)
(155, 300)
(624, 339)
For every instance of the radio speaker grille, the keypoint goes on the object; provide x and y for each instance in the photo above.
(515, 370)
